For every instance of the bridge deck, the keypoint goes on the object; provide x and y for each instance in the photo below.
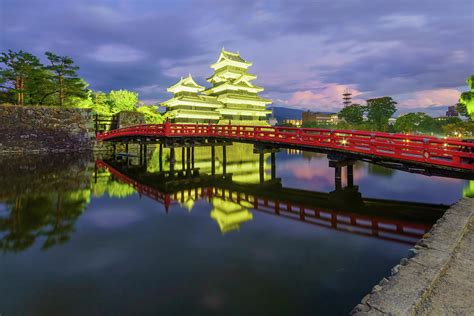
(447, 153)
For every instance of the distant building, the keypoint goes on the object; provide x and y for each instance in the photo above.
(296, 123)
(320, 117)
(391, 121)
(452, 111)
(272, 121)
(346, 98)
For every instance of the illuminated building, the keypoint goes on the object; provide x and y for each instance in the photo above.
(232, 97)
(233, 88)
(187, 106)
(319, 117)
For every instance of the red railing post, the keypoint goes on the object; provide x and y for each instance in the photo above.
(167, 128)
(426, 152)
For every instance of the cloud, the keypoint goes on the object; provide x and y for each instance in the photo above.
(326, 98)
(429, 98)
(117, 53)
(154, 88)
(402, 21)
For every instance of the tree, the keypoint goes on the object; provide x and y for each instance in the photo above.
(462, 110)
(379, 110)
(66, 81)
(122, 100)
(352, 114)
(20, 68)
(414, 122)
(152, 116)
(100, 103)
(467, 98)
(459, 129)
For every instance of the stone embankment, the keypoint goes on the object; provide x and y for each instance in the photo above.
(437, 278)
(45, 129)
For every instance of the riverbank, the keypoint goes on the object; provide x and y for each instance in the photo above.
(438, 275)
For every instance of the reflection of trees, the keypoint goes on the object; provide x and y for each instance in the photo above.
(51, 216)
(374, 169)
(107, 185)
(469, 190)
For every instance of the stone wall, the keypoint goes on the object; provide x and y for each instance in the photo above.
(129, 118)
(45, 129)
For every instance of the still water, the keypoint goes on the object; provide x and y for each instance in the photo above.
(82, 235)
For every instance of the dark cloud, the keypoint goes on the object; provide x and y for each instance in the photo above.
(378, 48)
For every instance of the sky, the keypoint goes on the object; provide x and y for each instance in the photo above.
(305, 53)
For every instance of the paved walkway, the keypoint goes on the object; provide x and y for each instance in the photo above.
(453, 293)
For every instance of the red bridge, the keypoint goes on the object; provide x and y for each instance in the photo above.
(428, 151)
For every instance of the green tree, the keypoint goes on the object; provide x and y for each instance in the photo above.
(379, 110)
(352, 114)
(462, 110)
(459, 129)
(122, 100)
(19, 68)
(467, 98)
(65, 78)
(100, 103)
(413, 122)
(152, 116)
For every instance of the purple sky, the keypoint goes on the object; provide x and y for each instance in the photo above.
(305, 53)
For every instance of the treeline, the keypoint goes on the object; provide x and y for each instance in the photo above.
(24, 80)
(375, 116)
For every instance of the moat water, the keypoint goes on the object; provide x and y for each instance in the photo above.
(83, 235)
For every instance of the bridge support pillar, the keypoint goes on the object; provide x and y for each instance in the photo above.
(145, 147)
(172, 159)
(213, 160)
(350, 175)
(182, 158)
(188, 161)
(141, 152)
(338, 177)
(192, 156)
(224, 160)
(161, 157)
(261, 168)
(273, 162)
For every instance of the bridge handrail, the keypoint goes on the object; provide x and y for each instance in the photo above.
(419, 148)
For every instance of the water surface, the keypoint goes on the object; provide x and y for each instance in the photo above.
(105, 236)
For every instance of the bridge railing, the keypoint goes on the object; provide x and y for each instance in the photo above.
(427, 149)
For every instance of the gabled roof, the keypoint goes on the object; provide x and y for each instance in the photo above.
(243, 81)
(231, 58)
(186, 82)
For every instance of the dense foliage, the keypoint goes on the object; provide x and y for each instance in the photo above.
(352, 114)
(379, 111)
(467, 98)
(24, 80)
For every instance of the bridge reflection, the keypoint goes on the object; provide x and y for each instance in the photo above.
(234, 201)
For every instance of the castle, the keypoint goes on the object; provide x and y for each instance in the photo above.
(232, 97)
